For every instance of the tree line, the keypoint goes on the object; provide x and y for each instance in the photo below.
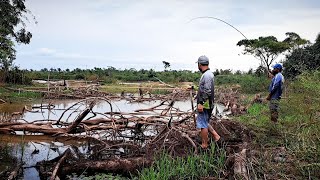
(112, 75)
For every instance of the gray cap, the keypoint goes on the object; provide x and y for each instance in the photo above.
(203, 60)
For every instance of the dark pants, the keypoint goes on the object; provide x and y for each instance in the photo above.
(274, 109)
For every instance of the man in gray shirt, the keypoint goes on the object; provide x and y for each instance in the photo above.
(205, 101)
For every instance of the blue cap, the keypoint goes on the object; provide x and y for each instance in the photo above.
(277, 66)
(203, 60)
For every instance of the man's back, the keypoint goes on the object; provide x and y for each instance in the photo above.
(206, 89)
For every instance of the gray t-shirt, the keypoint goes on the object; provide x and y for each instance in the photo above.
(206, 88)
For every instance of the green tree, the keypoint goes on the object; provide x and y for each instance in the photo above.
(216, 72)
(225, 72)
(151, 73)
(268, 48)
(166, 64)
(295, 41)
(44, 70)
(238, 72)
(12, 29)
(303, 59)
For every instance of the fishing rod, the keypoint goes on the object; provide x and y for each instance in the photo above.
(210, 17)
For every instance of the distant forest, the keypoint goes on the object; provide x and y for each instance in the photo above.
(112, 75)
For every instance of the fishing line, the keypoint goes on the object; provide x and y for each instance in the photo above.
(210, 17)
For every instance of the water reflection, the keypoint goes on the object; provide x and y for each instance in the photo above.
(10, 111)
(33, 149)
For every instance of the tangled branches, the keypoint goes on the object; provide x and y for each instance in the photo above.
(119, 142)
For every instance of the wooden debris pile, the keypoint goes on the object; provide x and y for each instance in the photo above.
(122, 142)
(230, 98)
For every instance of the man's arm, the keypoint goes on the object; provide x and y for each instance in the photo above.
(205, 90)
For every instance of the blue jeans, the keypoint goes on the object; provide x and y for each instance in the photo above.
(203, 118)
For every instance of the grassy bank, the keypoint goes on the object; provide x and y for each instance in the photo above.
(290, 148)
(134, 89)
(210, 163)
(11, 96)
(207, 164)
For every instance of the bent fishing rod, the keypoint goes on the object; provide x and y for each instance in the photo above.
(218, 19)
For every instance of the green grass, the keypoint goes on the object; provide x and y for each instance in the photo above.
(207, 164)
(11, 96)
(257, 116)
(250, 84)
(297, 131)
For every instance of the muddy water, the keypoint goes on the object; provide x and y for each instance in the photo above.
(6, 110)
(32, 149)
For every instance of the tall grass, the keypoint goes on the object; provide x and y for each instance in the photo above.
(297, 130)
(207, 164)
(301, 113)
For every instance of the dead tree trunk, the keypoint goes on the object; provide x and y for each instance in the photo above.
(72, 127)
(128, 165)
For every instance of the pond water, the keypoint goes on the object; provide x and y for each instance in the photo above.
(32, 150)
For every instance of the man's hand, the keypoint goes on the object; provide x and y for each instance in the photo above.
(268, 97)
(270, 75)
(200, 108)
(190, 88)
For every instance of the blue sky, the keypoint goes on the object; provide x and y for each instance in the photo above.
(142, 34)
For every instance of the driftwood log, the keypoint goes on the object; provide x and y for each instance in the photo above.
(121, 166)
